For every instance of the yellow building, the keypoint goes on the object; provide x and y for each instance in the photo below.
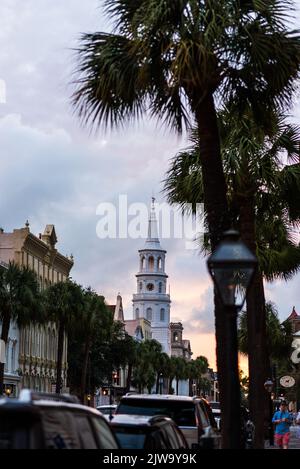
(31, 352)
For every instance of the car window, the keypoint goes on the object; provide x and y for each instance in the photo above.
(182, 412)
(203, 415)
(85, 431)
(130, 438)
(104, 434)
(59, 428)
(171, 436)
(13, 435)
(180, 437)
(156, 440)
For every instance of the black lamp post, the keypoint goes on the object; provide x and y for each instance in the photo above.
(232, 266)
(268, 385)
(161, 382)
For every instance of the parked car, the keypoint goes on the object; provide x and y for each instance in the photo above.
(148, 433)
(216, 411)
(189, 413)
(50, 421)
(107, 410)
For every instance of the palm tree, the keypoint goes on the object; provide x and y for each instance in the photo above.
(92, 321)
(172, 58)
(262, 209)
(19, 302)
(64, 304)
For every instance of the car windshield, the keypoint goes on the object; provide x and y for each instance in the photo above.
(106, 410)
(183, 413)
(130, 438)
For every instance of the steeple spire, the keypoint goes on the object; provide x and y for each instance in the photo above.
(152, 241)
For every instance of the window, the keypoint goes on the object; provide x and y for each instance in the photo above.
(143, 263)
(85, 432)
(137, 313)
(59, 429)
(151, 263)
(160, 287)
(149, 314)
(141, 286)
(162, 314)
(159, 263)
(175, 337)
(104, 434)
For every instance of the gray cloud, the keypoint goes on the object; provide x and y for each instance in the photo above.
(53, 171)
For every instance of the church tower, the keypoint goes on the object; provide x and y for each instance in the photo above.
(151, 301)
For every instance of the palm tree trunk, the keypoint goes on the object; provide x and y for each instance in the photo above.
(4, 337)
(256, 329)
(215, 202)
(84, 369)
(60, 350)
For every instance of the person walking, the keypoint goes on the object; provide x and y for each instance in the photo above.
(282, 420)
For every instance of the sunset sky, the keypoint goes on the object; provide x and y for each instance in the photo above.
(53, 171)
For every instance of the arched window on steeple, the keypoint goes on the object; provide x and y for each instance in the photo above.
(160, 287)
(151, 263)
(143, 263)
(175, 337)
(137, 313)
(149, 314)
(162, 314)
(159, 263)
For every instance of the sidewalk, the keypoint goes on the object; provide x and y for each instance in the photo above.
(294, 441)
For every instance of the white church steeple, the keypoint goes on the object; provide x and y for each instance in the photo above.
(151, 301)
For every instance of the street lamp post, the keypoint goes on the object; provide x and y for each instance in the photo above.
(268, 385)
(231, 266)
(161, 382)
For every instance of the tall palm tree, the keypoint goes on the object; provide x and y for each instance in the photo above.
(64, 304)
(261, 208)
(20, 301)
(93, 316)
(172, 58)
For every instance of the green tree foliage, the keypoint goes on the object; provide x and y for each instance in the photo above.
(64, 305)
(20, 301)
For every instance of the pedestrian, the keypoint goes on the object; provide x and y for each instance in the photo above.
(282, 422)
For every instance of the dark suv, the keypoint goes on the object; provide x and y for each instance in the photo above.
(189, 413)
(50, 421)
(148, 433)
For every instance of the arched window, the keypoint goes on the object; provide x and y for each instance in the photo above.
(149, 314)
(141, 286)
(151, 263)
(13, 353)
(162, 314)
(143, 263)
(137, 313)
(160, 287)
(175, 337)
(159, 263)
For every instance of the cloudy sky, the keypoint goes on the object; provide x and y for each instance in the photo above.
(53, 171)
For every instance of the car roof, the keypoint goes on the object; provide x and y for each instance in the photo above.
(30, 400)
(160, 397)
(138, 420)
(112, 406)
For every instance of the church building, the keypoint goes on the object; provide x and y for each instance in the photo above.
(151, 301)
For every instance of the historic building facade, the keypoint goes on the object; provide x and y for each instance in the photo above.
(31, 352)
(151, 301)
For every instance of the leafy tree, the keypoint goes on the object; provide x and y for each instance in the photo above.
(64, 304)
(172, 58)
(20, 301)
(259, 206)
